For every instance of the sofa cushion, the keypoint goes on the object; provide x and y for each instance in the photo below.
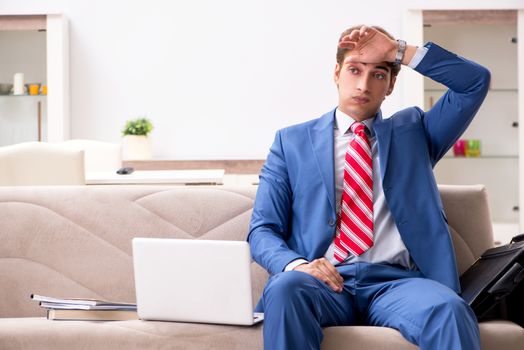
(494, 335)
(364, 337)
(501, 335)
(468, 214)
(43, 334)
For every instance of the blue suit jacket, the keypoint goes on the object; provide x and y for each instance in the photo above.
(294, 212)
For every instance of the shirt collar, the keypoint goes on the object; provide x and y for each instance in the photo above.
(344, 121)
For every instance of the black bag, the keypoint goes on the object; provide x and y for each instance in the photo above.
(494, 285)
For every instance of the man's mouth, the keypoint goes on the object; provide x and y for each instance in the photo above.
(360, 99)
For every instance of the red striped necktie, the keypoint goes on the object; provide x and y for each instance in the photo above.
(355, 221)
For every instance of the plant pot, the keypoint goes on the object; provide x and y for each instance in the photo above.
(137, 147)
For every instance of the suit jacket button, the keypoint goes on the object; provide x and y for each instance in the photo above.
(331, 222)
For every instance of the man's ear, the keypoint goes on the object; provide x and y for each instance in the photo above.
(336, 76)
(391, 85)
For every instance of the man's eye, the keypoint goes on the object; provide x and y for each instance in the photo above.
(380, 76)
(353, 70)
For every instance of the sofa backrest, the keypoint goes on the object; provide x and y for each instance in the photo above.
(469, 220)
(75, 241)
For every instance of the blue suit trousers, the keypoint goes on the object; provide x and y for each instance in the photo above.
(297, 306)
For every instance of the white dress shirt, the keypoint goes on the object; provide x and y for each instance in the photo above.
(388, 246)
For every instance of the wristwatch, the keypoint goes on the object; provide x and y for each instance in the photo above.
(400, 52)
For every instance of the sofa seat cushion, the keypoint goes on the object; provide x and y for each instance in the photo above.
(40, 333)
(495, 335)
(364, 337)
(501, 335)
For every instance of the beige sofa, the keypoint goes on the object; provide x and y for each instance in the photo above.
(76, 241)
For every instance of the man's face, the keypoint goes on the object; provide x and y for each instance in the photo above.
(362, 87)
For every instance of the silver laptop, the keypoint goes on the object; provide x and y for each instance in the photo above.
(189, 280)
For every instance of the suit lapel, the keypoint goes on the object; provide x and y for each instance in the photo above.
(382, 129)
(321, 137)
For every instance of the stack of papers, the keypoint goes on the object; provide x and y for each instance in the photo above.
(86, 309)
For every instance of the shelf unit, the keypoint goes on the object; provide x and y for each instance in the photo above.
(54, 108)
(496, 124)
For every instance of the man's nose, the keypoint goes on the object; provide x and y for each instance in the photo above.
(363, 83)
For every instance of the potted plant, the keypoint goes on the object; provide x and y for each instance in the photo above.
(137, 144)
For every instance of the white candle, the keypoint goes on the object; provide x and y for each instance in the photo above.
(18, 84)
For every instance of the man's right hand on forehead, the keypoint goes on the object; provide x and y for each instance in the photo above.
(368, 45)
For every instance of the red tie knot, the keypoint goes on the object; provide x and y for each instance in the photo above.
(358, 128)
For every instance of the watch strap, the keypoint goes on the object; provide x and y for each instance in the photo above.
(400, 52)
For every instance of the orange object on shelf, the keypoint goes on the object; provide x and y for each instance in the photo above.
(44, 89)
(34, 89)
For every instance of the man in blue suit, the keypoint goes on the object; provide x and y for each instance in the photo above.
(408, 278)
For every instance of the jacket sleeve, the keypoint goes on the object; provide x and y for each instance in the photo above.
(468, 84)
(272, 212)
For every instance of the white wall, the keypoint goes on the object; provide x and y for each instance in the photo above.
(217, 78)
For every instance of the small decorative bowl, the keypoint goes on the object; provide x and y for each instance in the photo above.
(6, 89)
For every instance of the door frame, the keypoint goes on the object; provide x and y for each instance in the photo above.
(58, 106)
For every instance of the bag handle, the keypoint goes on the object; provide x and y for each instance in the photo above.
(517, 238)
(507, 282)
